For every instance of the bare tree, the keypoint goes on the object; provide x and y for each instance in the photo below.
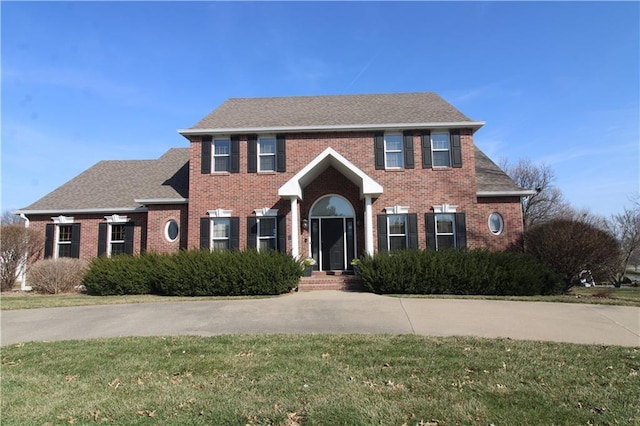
(547, 202)
(10, 218)
(19, 246)
(625, 227)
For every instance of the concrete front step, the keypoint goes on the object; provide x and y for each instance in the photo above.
(330, 282)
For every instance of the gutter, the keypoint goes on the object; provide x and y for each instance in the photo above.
(161, 201)
(86, 211)
(475, 125)
(520, 193)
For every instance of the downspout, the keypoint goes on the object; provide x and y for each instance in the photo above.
(23, 268)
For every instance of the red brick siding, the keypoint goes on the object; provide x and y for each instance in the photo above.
(157, 219)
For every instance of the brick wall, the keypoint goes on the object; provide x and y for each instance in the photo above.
(419, 189)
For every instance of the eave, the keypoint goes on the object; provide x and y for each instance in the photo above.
(520, 193)
(83, 211)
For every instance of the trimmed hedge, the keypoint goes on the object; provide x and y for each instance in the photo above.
(195, 273)
(478, 272)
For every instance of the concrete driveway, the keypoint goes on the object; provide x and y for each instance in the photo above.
(332, 312)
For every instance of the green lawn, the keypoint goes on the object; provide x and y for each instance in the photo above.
(319, 380)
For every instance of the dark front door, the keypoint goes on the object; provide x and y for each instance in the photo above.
(332, 244)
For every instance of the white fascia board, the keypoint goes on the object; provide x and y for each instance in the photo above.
(157, 201)
(86, 211)
(522, 193)
(332, 128)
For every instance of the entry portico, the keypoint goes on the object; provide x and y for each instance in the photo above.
(293, 190)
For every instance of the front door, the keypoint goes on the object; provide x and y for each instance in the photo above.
(332, 240)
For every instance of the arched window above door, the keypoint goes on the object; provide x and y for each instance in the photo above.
(332, 205)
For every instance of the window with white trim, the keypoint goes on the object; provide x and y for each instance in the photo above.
(267, 154)
(397, 231)
(221, 233)
(221, 155)
(440, 149)
(445, 231)
(267, 233)
(116, 240)
(393, 151)
(64, 241)
(171, 230)
(496, 223)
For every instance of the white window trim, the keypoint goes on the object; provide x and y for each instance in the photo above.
(275, 153)
(60, 220)
(501, 223)
(401, 151)
(114, 219)
(219, 213)
(214, 155)
(266, 212)
(166, 230)
(213, 238)
(397, 209)
(446, 234)
(440, 149)
(389, 234)
(445, 208)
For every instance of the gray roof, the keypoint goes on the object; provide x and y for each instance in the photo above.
(332, 111)
(114, 185)
(492, 179)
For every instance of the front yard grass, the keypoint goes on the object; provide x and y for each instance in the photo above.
(318, 379)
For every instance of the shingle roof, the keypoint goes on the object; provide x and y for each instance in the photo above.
(110, 185)
(333, 111)
(490, 177)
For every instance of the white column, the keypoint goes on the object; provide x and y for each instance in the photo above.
(295, 230)
(368, 225)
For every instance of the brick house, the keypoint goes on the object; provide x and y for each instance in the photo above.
(328, 177)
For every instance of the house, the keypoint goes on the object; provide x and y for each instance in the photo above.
(328, 177)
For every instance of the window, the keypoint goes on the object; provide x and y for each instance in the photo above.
(115, 236)
(221, 155)
(171, 230)
(267, 154)
(446, 229)
(64, 241)
(116, 242)
(496, 223)
(397, 231)
(267, 235)
(62, 238)
(440, 149)
(221, 233)
(393, 152)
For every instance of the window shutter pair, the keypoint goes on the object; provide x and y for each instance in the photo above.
(103, 228)
(252, 154)
(454, 145)
(252, 233)
(234, 164)
(49, 240)
(460, 231)
(205, 233)
(412, 232)
(378, 143)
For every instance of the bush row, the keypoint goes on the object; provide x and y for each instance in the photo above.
(194, 273)
(457, 272)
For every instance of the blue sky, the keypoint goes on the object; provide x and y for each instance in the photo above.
(555, 82)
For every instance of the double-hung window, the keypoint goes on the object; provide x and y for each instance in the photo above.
(397, 230)
(440, 149)
(62, 238)
(397, 226)
(266, 230)
(116, 242)
(115, 236)
(393, 151)
(267, 233)
(221, 234)
(446, 229)
(267, 154)
(221, 155)
(219, 230)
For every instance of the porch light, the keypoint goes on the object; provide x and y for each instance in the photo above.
(305, 224)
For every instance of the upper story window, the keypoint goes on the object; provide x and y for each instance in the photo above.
(440, 149)
(62, 238)
(267, 154)
(221, 155)
(393, 152)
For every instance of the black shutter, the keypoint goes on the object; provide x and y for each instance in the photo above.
(430, 224)
(456, 148)
(408, 150)
(252, 232)
(426, 150)
(282, 234)
(234, 238)
(382, 233)
(102, 239)
(378, 140)
(205, 233)
(206, 155)
(252, 154)
(129, 227)
(281, 154)
(234, 166)
(412, 231)
(75, 241)
(49, 237)
(461, 231)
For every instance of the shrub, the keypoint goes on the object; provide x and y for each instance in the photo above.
(53, 276)
(456, 272)
(195, 273)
